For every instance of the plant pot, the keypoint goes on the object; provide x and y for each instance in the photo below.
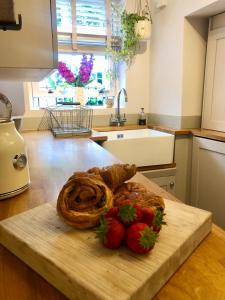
(79, 94)
(143, 29)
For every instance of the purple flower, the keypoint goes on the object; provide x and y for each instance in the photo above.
(65, 72)
(84, 75)
(86, 67)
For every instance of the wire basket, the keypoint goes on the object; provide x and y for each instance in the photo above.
(70, 120)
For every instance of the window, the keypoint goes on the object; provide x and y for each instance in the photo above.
(52, 90)
(83, 27)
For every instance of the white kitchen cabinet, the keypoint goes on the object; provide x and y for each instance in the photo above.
(208, 177)
(165, 178)
(31, 53)
(213, 116)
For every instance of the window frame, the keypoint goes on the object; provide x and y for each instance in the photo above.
(82, 49)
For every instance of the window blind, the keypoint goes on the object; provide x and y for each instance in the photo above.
(64, 16)
(91, 17)
(83, 24)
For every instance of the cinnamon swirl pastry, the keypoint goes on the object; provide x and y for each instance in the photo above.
(138, 194)
(82, 199)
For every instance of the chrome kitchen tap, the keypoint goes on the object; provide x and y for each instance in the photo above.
(117, 119)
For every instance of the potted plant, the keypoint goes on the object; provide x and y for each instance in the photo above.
(143, 27)
(80, 80)
(134, 27)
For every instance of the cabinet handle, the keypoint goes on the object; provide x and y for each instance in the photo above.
(11, 25)
(172, 184)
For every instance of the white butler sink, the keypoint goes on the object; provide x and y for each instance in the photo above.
(143, 147)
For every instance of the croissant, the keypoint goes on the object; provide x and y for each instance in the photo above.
(115, 175)
(82, 199)
(138, 194)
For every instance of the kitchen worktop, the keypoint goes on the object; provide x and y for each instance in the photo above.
(200, 132)
(150, 126)
(51, 162)
(209, 134)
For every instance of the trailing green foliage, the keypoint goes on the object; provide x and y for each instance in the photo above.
(125, 48)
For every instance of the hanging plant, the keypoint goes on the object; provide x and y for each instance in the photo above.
(143, 27)
(125, 46)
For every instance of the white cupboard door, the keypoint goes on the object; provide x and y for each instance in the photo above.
(166, 183)
(208, 178)
(214, 88)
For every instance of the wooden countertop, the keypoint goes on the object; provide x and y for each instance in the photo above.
(166, 129)
(51, 162)
(117, 128)
(200, 132)
(170, 130)
(209, 134)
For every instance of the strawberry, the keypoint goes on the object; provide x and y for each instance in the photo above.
(158, 221)
(140, 238)
(130, 214)
(123, 202)
(112, 212)
(148, 215)
(111, 232)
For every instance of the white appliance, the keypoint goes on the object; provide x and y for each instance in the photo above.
(14, 172)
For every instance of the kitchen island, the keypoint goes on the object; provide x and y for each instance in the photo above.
(51, 162)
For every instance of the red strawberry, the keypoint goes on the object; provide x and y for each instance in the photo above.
(111, 232)
(130, 214)
(140, 238)
(124, 201)
(148, 215)
(158, 221)
(112, 212)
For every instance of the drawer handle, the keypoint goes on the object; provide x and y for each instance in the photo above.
(172, 184)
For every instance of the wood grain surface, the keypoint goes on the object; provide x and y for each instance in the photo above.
(150, 126)
(118, 128)
(209, 134)
(51, 161)
(76, 263)
(175, 131)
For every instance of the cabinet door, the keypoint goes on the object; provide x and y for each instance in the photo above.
(208, 178)
(34, 46)
(165, 178)
(166, 183)
(214, 87)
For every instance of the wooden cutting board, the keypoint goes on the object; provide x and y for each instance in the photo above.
(75, 262)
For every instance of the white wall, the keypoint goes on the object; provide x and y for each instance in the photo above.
(177, 58)
(166, 42)
(194, 53)
(137, 81)
(138, 75)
